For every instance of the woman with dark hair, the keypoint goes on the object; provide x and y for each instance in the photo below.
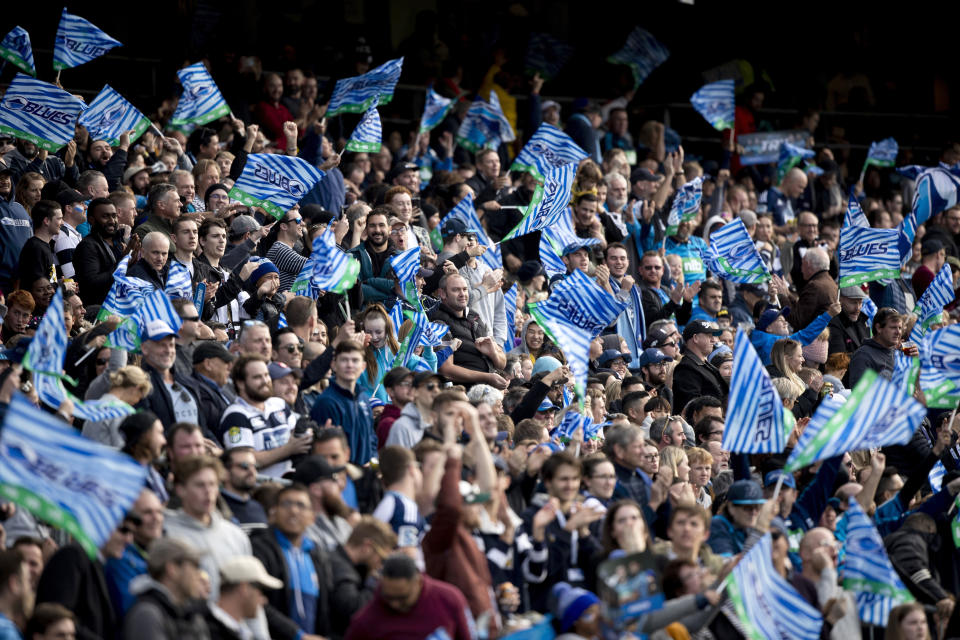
(144, 442)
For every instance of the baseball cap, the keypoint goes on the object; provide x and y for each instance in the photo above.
(745, 492)
(167, 550)
(240, 569)
(453, 227)
(752, 287)
(401, 167)
(243, 224)
(655, 338)
(769, 316)
(211, 349)
(530, 270)
(854, 293)
(395, 376)
(612, 354)
(158, 330)
(279, 370)
(312, 469)
(425, 376)
(546, 405)
(700, 326)
(930, 246)
(67, 197)
(652, 356)
(641, 174)
(772, 476)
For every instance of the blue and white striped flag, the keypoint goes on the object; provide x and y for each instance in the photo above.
(882, 154)
(79, 41)
(576, 312)
(409, 345)
(327, 269)
(686, 205)
(396, 318)
(274, 182)
(125, 295)
(867, 255)
(200, 99)
(790, 156)
(546, 55)
(551, 256)
(48, 348)
(571, 421)
(755, 421)
(867, 569)
(282, 321)
(368, 135)
(52, 393)
(465, 211)
(557, 241)
(110, 115)
(548, 147)
(405, 266)
(936, 189)
(39, 112)
(356, 94)
(905, 369)
(716, 103)
(937, 295)
(642, 53)
(733, 256)
(876, 414)
(549, 201)
(936, 475)
(869, 309)
(179, 284)
(940, 367)
(435, 110)
(15, 48)
(510, 310)
(854, 217)
(433, 332)
(157, 306)
(485, 126)
(71, 482)
(768, 606)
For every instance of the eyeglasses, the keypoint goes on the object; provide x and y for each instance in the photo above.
(648, 267)
(191, 319)
(668, 344)
(291, 348)
(298, 220)
(651, 457)
(432, 386)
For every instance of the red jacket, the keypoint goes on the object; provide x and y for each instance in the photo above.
(389, 415)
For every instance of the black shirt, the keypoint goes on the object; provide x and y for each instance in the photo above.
(378, 259)
(467, 329)
(37, 260)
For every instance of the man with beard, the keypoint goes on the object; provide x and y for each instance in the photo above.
(653, 367)
(259, 420)
(239, 482)
(97, 255)
(374, 255)
(109, 161)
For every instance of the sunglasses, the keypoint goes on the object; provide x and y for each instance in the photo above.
(191, 319)
(432, 386)
(292, 348)
(103, 361)
(298, 220)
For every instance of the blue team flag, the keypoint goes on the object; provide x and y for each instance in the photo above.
(642, 53)
(200, 99)
(327, 269)
(790, 156)
(110, 115)
(435, 110)
(768, 605)
(179, 284)
(733, 256)
(559, 240)
(367, 137)
(157, 306)
(125, 295)
(937, 295)
(71, 482)
(755, 422)
(936, 475)
(882, 154)
(274, 182)
(905, 368)
(854, 216)
(546, 55)
(867, 254)
(571, 421)
(282, 321)
(79, 41)
(39, 112)
(867, 570)
(484, 126)
(876, 414)
(396, 319)
(716, 103)
(409, 344)
(15, 48)
(940, 367)
(549, 202)
(936, 189)
(356, 94)
(548, 147)
(405, 266)
(466, 212)
(576, 312)
(510, 309)
(869, 308)
(686, 205)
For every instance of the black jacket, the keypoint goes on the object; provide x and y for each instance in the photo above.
(870, 355)
(161, 404)
(267, 549)
(847, 335)
(140, 269)
(94, 265)
(350, 590)
(909, 552)
(654, 309)
(217, 629)
(212, 403)
(72, 579)
(692, 379)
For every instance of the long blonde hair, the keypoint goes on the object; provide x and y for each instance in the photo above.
(670, 458)
(377, 310)
(778, 356)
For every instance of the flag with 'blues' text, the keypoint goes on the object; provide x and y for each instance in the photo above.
(642, 53)
(716, 103)
(274, 182)
(327, 269)
(867, 254)
(367, 137)
(484, 126)
(732, 255)
(356, 94)
(755, 422)
(110, 115)
(15, 48)
(435, 110)
(39, 112)
(548, 147)
(79, 41)
(200, 99)
(882, 154)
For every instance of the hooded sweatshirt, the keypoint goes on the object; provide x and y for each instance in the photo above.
(218, 542)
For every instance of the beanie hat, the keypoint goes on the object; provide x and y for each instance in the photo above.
(816, 352)
(570, 603)
(545, 363)
(264, 267)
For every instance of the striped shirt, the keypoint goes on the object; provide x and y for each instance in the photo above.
(288, 263)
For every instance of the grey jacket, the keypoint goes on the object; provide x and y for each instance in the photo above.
(870, 355)
(408, 429)
(219, 542)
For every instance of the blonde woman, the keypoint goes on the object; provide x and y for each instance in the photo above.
(674, 461)
(786, 360)
(788, 391)
(128, 384)
(598, 405)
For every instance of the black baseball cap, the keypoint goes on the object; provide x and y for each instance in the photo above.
(313, 469)
(211, 349)
(700, 326)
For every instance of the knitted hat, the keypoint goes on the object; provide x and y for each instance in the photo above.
(545, 363)
(569, 603)
(264, 267)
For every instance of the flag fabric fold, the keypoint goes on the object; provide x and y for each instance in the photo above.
(79, 41)
(200, 99)
(854, 216)
(484, 126)
(867, 255)
(39, 112)
(327, 269)
(642, 53)
(935, 190)
(940, 367)
(356, 94)
(686, 204)
(548, 147)
(546, 55)
(549, 201)
(882, 154)
(790, 156)
(510, 310)
(368, 135)
(64, 479)
(274, 182)
(435, 110)
(716, 103)
(110, 115)
(755, 422)
(405, 266)
(179, 284)
(938, 294)
(15, 48)
(732, 255)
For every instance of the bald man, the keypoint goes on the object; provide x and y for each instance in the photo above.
(780, 200)
(819, 292)
(152, 265)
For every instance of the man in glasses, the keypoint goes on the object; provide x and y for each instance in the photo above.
(660, 304)
(282, 253)
(417, 416)
(146, 519)
(287, 348)
(240, 480)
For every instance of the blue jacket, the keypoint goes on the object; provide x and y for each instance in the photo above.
(691, 255)
(763, 342)
(352, 413)
(726, 539)
(15, 229)
(121, 572)
(702, 314)
(810, 505)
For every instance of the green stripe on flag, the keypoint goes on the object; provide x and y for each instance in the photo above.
(50, 513)
(733, 590)
(362, 147)
(251, 201)
(360, 107)
(879, 588)
(955, 524)
(13, 58)
(142, 125)
(203, 118)
(43, 143)
(856, 279)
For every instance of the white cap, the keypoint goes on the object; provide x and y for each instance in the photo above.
(549, 103)
(158, 330)
(240, 569)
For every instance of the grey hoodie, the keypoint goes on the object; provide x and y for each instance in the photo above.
(218, 542)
